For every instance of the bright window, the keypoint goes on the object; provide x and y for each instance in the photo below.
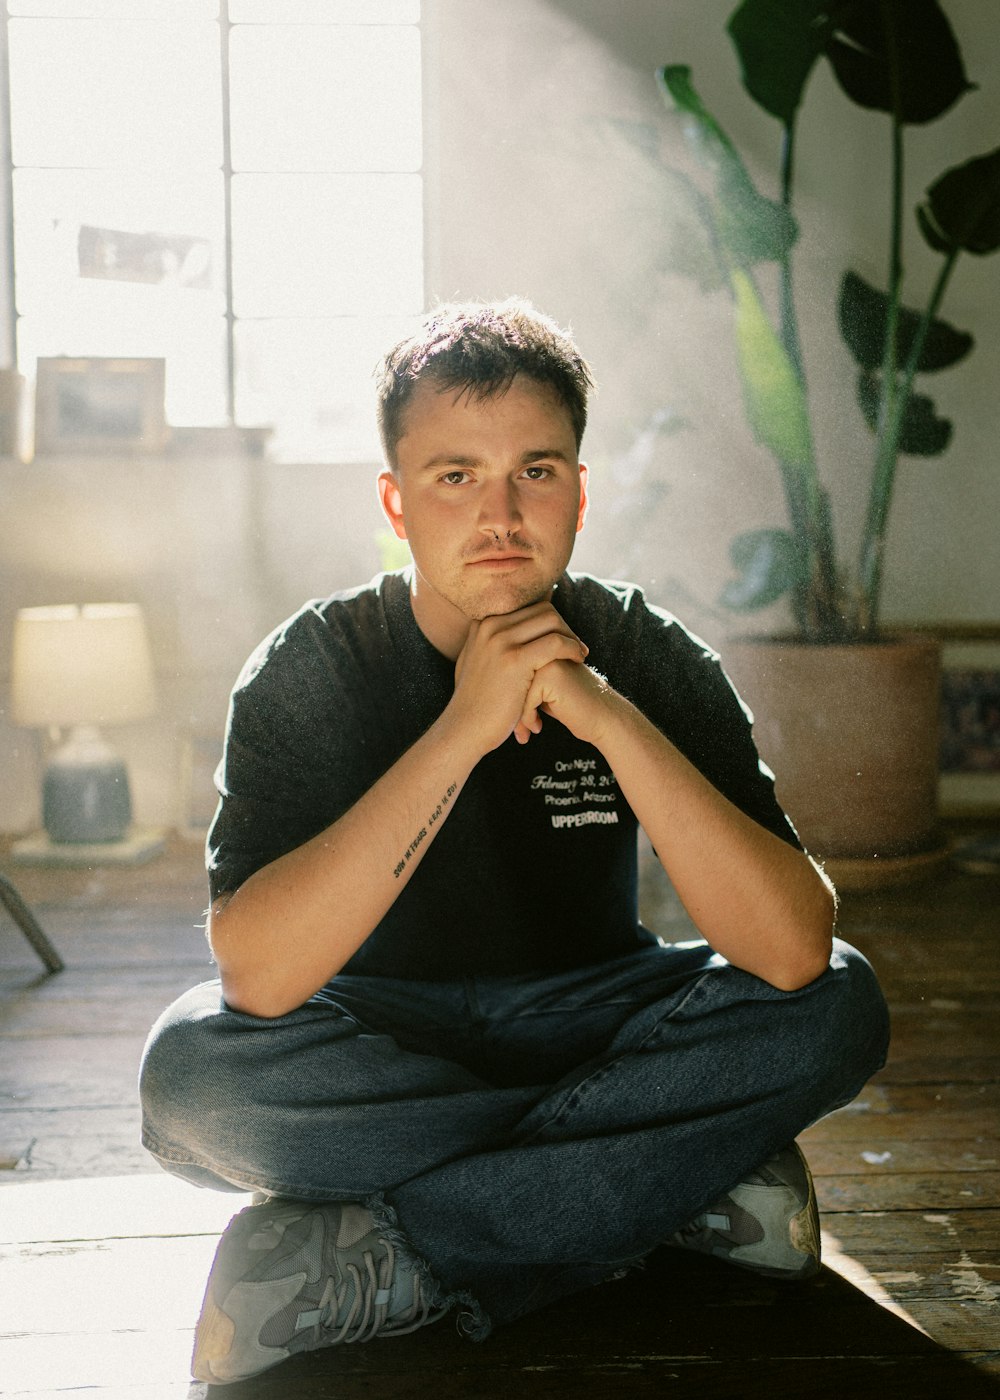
(235, 187)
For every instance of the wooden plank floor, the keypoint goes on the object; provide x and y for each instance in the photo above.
(103, 1258)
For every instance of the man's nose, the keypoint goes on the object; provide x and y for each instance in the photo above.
(499, 514)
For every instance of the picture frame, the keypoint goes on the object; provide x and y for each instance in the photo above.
(99, 405)
(969, 783)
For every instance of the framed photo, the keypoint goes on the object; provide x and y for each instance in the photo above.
(970, 720)
(99, 405)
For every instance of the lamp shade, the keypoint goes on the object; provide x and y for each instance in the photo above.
(81, 665)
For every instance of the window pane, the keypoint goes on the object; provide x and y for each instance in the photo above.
(91, 93)
(117, 9)
(327, 245)
(325, 11)
(193, 346)
(313, 380)
(98, 235)
(325, 98)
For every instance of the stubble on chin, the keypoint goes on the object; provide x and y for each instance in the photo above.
(498, 601)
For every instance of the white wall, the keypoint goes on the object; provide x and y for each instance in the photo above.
(536, 185)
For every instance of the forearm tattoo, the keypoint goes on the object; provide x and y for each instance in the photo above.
(421, 835)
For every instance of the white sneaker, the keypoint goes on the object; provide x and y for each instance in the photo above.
(289, 1276)
(769, 1222)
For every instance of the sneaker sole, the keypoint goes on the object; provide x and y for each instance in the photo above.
(804, 1229)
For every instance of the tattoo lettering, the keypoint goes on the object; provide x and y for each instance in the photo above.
(421, 835)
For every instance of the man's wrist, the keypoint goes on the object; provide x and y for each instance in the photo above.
(456, 737)
(618, 722)
(607, 711)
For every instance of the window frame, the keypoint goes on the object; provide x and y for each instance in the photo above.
(9, 315)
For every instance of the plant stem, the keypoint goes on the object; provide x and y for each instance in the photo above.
(880, 498)
(814, 601)
(930, 311)
(789, 320)
(889, 356)
(891, 403)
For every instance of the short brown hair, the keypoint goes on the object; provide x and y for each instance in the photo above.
(480, 347)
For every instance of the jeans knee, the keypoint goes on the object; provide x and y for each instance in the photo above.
(172, 1071)
(856, 1020)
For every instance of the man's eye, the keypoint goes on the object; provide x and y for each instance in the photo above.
(454, 478)
(537, 473)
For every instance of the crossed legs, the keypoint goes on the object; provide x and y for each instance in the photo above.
(529, 1136)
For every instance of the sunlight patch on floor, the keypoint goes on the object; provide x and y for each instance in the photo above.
(103, 1280)
(112, 1206)
(875, 1288)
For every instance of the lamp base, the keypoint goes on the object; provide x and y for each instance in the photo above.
(85, 795)
(138, 845)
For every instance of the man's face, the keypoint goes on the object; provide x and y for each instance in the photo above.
(490, 494)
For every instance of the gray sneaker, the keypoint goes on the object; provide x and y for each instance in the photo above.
(769, 1222)
(290, 1276)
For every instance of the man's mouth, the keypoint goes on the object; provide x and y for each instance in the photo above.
(499, 561)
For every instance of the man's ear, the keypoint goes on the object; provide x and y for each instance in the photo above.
(584, 499)
(392, 503)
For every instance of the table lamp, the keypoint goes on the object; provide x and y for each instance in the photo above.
(77, 668)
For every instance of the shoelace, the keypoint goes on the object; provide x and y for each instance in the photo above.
(371, 1299)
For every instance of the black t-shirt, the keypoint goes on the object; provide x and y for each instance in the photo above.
(535, 866)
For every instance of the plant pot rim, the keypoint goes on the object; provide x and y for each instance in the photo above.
(886, 639)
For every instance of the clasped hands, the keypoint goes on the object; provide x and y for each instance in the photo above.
(517, 666)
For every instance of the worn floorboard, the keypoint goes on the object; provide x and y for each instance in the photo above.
(103, 1258)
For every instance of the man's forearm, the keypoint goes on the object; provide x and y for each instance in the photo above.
(295, 923)
(759, 902)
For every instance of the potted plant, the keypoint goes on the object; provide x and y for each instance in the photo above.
(873, 796)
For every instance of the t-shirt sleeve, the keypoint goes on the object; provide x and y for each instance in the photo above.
(679, 684)
(278, 787)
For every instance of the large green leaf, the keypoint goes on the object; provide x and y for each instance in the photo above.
(862, 311)
(778, 41)
(775, 399)
(923, 433)
(870, 34)
(769, 563)
(751, 227)
(962, 208)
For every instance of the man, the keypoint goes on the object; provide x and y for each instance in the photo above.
(455, 1068)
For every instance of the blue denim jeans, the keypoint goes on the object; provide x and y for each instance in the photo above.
(529, 1135)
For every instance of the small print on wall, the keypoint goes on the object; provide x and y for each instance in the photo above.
(970, 721)
(99, 405)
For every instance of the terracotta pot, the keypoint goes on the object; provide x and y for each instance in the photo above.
(851, 734)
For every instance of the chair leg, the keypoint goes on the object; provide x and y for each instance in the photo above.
(29, 925)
